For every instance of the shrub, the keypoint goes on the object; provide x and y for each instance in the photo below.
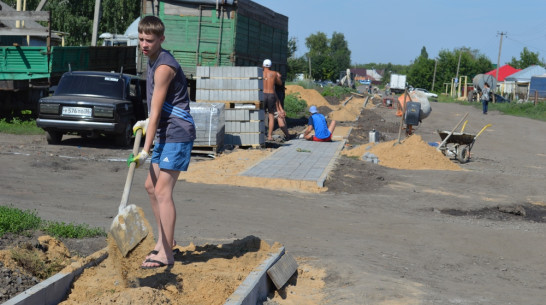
(294, 106)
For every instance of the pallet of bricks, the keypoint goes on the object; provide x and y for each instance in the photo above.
(209, 127)
(240, 90)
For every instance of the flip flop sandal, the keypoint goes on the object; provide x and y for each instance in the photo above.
(159, 264)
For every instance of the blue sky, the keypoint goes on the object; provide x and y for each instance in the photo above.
(383, 31)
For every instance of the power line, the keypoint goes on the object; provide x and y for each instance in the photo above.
(525, 44)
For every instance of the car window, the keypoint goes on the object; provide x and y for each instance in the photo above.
(106, 86)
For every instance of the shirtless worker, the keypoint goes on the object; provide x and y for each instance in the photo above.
(272, 104)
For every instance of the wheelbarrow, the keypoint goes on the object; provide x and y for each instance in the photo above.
(458, 144)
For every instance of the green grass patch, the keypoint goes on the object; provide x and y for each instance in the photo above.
(16, 221)
(18, 126)
(294, 106)
(13, 220)
(336, 91)
(526, 110)
(71, 230)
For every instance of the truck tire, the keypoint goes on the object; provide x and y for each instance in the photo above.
(54, 137)
(124, 139)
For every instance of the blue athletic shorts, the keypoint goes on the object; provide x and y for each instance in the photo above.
(173, 156)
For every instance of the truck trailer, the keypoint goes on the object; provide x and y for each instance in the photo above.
(397, 83)
(221, 33)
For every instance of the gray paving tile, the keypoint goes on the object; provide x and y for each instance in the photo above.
(298, 160)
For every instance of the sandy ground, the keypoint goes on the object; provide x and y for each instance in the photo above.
(381, 235)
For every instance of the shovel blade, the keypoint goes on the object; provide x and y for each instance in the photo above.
(129, 228)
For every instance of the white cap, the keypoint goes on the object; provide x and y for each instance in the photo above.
(267, 63)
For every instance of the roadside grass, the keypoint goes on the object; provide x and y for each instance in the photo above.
(30, 257)
(526, 110)
(336, 91)
(18, 126)
(294, 106)
(16, 221)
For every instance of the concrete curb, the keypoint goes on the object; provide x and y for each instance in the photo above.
(53, 290)
(256, 286)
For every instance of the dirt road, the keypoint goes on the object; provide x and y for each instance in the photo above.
(384, 236)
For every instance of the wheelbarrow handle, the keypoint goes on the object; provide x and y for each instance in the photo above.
(484, 128)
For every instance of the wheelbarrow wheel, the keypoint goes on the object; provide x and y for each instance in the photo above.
(463, 153)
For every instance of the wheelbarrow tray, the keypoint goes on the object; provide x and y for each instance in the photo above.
(457, 137)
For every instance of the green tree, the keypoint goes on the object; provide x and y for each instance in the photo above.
(296, 65)
(527, 58)
(472, 63)
(328, 56)
(421, 72)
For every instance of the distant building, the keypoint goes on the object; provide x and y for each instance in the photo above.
(24, 40)
(366, 76)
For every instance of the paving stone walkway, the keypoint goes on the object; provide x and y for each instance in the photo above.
(299, 160)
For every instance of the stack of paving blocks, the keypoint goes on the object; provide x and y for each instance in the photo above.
(241, 90)
(209, 121)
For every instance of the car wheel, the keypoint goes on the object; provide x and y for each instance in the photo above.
(463, 154)
(54, 137)
(124, 139)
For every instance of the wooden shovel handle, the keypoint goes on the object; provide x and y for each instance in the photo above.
(132, 166)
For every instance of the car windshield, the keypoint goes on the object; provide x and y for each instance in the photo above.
(97, 85)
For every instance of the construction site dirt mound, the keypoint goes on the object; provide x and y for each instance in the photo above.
(206, 274)
(343, 111)
(411, 153)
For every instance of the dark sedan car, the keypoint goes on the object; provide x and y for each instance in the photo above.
(93, 103)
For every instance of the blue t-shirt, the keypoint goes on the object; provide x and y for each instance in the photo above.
(176, 123)
(318, 121)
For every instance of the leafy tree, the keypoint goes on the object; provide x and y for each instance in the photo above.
(472, 63)
(421, 72)
(296, 65)
(328, 56)
(527, 58)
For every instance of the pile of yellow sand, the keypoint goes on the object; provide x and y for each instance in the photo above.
(411, 153)
(348, 112)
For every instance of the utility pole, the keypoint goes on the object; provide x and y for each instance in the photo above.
(95, 23)
(309, 58)
(434, 76)
(457, 75)
(498, 58)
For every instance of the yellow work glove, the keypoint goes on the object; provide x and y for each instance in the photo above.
(141, 125)
(138, 159)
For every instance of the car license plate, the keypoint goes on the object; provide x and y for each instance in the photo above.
(77, 111)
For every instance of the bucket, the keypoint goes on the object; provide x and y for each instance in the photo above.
(373, 136)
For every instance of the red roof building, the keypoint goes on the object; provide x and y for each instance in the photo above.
(504, 72)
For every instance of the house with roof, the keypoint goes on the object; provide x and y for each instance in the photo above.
(35, 33)
(366, 76)
(519, 82)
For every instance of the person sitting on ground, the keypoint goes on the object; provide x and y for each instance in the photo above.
(317, 121)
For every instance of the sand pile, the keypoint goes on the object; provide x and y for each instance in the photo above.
(311, 96)
(348, 112)
(225, 170)
(412, 153)
(204, 275)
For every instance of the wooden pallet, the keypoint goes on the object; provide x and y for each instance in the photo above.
(205, 149)
(232, 104)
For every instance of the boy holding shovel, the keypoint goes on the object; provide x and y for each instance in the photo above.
(171, 125)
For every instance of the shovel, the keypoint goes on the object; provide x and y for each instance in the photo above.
(129, 227)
